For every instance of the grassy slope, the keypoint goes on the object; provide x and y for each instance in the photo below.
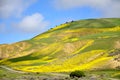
(83, 45)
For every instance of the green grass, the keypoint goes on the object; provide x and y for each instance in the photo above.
(103, 34)
(7, 74)
(117, 76)
(25, 58)
(108, 45)
(102, 43)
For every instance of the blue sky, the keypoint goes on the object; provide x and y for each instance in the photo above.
(24, 19)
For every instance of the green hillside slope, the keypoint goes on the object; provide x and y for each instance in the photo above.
(78, 45)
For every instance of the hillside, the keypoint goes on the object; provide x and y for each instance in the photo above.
(90, 44)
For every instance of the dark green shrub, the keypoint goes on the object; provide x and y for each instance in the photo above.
(77, 74)
(37, 72)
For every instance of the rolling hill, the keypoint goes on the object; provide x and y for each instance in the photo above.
(91, 44)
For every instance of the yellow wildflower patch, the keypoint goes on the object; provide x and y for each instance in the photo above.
(85, 46)
(117, 28)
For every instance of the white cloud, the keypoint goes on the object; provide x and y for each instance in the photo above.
(10, 8)
(109, 8)
(33, 23)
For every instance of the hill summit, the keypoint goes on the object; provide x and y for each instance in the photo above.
(91, 44)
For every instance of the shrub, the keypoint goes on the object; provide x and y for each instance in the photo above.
(77, 74)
